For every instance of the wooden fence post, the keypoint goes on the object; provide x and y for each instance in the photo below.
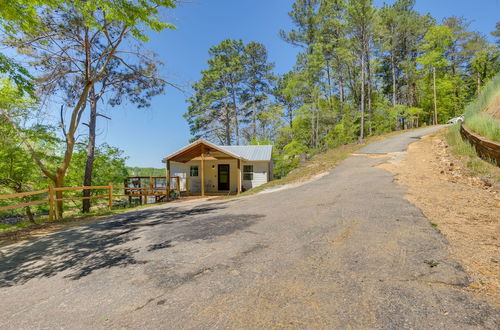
(179, 186)
(110, 196)
(51, 202)
(187, 186)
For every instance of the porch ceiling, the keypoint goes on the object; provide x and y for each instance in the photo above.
(194, 152)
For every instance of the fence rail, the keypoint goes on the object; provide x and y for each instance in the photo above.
(51, 193)
(485, 148)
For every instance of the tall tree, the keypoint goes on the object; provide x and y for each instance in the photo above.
(258, 79)
(435, 45)
(103, 26)
(360, 16)
(496, 33)
(303, 16)
(233, 88)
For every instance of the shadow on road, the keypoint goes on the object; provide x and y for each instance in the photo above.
(81, 250)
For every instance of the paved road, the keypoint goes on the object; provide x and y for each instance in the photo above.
(346, 251)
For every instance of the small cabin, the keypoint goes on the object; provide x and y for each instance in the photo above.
(204, 167)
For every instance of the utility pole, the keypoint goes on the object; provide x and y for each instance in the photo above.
(435, 97)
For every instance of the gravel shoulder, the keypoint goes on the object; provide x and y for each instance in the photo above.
(465, 208)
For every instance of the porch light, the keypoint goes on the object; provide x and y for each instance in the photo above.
(213, 167)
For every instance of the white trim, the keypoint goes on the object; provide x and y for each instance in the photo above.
(211, 145)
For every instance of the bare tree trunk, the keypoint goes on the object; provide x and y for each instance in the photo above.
(369, 74)
(58, 183)
(27, 209)
(478, 84)
(393, 66)
(227, 124)
(341, 88)
(89, 164)
(236, 121)
(29, 214)
(435, 121)
(317, 126)
(330, 88)
(254, 120)
(313, 131)
(362, 105)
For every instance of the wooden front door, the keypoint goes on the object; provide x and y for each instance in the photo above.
(223, 177)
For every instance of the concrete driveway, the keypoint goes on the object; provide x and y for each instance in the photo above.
(346, 251)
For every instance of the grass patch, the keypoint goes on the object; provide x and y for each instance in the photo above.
(486, 96)
(485, 126)
(71, 216)
(478, 121)
(6, 227)
(466, 153)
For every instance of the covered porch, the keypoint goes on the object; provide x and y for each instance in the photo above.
(210, 170)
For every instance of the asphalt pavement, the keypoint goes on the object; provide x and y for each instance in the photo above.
(344, 251)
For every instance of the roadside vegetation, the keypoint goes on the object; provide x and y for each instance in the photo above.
(477, 119)
(483, 124)
(466, 153)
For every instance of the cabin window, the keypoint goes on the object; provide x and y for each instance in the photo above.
(193, 171)
(247, 172)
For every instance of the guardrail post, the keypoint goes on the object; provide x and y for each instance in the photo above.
(51, 202)
(110, 196)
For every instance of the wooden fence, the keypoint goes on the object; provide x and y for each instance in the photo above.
(108, 193)
(485, 148)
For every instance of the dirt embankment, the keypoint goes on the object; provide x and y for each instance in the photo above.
(465, 208)
(494, 108)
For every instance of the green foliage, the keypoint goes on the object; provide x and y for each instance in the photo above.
(109, 166)
(232, 93)
(289, 158)
(465, 151)
(484, 99)
(18, 170)
(17, 75)
(436, 43)
(22, 14)
(145, 171)
(476, 119)
(485, 125)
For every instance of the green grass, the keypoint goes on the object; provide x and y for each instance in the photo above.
(479, 122)
(486, 96)
(74, 216)
(467, 154)
(485, 126)
(6, 227)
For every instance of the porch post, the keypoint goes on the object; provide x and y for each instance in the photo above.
(202, 170)
(167, 186)
(239, 176)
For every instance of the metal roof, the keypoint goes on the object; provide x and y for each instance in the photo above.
(251, 153)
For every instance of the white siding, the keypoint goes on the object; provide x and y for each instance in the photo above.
(180, 170)
(260, 175)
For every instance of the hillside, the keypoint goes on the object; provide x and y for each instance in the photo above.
(483, 114)
(145, 171)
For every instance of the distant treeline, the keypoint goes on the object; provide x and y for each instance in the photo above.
(145, 171)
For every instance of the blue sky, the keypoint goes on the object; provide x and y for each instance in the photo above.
(146, 136)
